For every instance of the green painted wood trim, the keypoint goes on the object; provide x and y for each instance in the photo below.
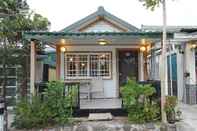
(40, 35)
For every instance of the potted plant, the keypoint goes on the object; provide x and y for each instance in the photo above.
(171, 102)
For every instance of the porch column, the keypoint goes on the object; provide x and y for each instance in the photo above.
(180, 75)
(141, 66)
(190, 65)
(62, 66)
(58, 62)
(32, 67)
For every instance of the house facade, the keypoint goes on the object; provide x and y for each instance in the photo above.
(181, 61)
(100, 53)
(186, 65)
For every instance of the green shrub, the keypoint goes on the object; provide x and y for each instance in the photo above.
(31, 114)
(136, 100)
(53, 108)
(59, 105)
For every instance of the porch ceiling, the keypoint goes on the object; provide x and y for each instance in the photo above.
(115, 38)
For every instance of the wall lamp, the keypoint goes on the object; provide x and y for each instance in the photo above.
(62, 49)
(142, 48)
(193, 46)
(62, 43)
(145, 46)
(102, 42)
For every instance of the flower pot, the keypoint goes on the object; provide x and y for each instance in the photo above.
(171, 117)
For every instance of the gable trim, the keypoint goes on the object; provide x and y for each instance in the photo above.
(104, 20)
(94, 16)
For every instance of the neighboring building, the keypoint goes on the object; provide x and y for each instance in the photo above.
(45, 67)
(186, 63)
(181, 60)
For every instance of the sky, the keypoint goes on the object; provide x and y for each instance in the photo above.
(62, 13)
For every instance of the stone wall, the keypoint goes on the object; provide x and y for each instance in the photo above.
(117, 126)
(104, 126)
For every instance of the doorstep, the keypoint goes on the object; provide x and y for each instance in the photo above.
(100, 116)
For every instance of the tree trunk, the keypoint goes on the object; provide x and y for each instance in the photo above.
(163, 72)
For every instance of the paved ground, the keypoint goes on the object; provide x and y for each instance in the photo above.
(189, 115)
(10, 119)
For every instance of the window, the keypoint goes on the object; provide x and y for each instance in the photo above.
(87, 65)
(10, 71)
(10, 81)
(71, 65)
(83, 65)
(99, 65)
(76, 65)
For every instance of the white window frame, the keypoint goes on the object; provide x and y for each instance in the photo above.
(88, 65)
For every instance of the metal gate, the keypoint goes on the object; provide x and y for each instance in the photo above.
(190, 94)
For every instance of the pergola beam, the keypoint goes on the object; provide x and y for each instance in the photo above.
(58, 62)
(32, 67)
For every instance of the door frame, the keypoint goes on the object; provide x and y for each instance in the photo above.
(117, 63)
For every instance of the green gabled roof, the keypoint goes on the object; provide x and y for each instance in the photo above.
(102, 13)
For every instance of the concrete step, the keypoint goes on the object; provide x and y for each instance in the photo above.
(100, 116)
